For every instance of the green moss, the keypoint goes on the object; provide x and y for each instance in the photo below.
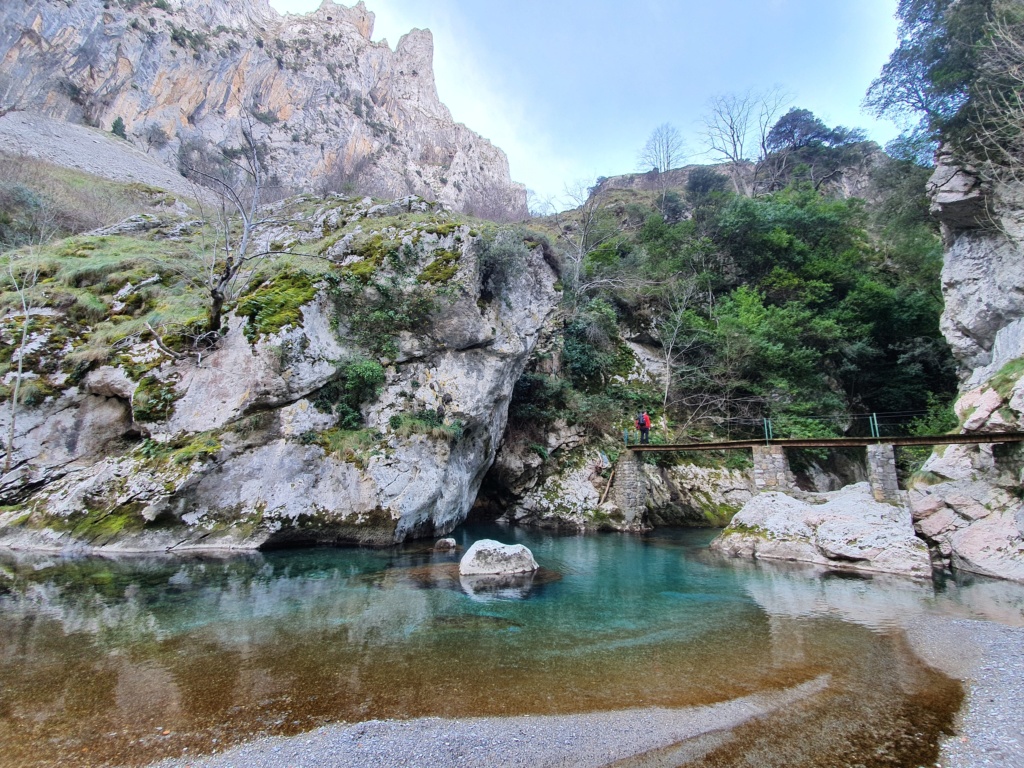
(443, 229)
(18, 520)
(1004, 381)
(154, 399)
(425, 422)
(750, 530)
(276, 304)
(372, 252)
(718, 515)
(354, 446)
(624, 362)
(442, 269)
(96, 526)
(199, 447)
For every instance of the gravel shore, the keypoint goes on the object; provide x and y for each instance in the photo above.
(988, 657)
(581, 741)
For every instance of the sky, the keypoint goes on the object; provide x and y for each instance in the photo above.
(572, 89)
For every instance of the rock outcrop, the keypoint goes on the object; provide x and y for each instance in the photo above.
(846, 529)
(334, 108)
(967, 500)
(487, 557)
(250, 444)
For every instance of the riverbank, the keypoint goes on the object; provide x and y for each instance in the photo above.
(987, 657)
(584, 740)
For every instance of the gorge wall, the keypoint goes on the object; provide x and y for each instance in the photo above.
(337, 110)
(258, 441)
(968, 501)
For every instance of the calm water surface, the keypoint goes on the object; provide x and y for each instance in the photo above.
(111, 662)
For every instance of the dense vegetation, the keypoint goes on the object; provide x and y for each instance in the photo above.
(795, 305)
(956, 78)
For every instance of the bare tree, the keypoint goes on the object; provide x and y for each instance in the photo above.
(235, 257)
(672, 329)
(22, 283)
(736, 128)
(664, 150)
(997, 131)
(581, 232)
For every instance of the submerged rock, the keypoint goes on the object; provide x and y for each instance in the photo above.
(849, 529)
(503, 586)
(489, 557)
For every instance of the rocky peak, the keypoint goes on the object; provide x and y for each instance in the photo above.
(337, 110)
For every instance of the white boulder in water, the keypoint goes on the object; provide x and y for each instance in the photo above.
(487, 557)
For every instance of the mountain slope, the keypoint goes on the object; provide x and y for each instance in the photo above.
(338, 111)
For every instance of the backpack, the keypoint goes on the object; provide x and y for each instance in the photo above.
(639, 421)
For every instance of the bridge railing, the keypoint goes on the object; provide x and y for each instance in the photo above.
(876, 425)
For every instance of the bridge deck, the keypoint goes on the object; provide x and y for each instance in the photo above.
(840, 442)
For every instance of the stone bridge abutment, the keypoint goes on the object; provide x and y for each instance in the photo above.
(771, 472)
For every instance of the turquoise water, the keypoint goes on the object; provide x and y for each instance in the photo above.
(106, 662)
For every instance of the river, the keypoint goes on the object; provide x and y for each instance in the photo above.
(125, 661)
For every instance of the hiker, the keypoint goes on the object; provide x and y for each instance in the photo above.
(643, 423)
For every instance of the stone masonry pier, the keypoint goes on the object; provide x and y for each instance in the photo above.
(771, 469)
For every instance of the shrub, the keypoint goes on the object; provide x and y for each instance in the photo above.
(500, 260)
(118, 128)
(356, 382)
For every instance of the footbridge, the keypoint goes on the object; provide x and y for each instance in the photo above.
(771, 466)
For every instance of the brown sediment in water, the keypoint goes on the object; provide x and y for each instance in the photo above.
(890, 712)
(69, 701)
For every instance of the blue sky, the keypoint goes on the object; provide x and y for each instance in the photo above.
(571, 89)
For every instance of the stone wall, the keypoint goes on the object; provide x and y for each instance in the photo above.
(771, 469)
(628, 489)
(881, 460)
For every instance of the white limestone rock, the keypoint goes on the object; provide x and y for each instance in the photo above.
(333, 106)
(488, 557)
(243, 459)
(849, 530)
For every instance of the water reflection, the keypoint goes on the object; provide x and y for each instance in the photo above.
(507, 586)
(124, 661)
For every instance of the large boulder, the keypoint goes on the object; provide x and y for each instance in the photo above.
(847, 529)
(489, 557)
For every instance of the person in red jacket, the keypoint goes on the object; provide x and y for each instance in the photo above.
(643, 423)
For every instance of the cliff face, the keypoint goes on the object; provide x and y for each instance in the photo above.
(259, 440)
(336, 109)
(968, 504)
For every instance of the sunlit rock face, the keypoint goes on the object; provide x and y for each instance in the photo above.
(967, 503)
(249, 450)
(846, 529)
(336, 109)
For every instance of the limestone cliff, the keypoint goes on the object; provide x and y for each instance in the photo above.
(145, 444)
(967, 502)
(337, 110)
